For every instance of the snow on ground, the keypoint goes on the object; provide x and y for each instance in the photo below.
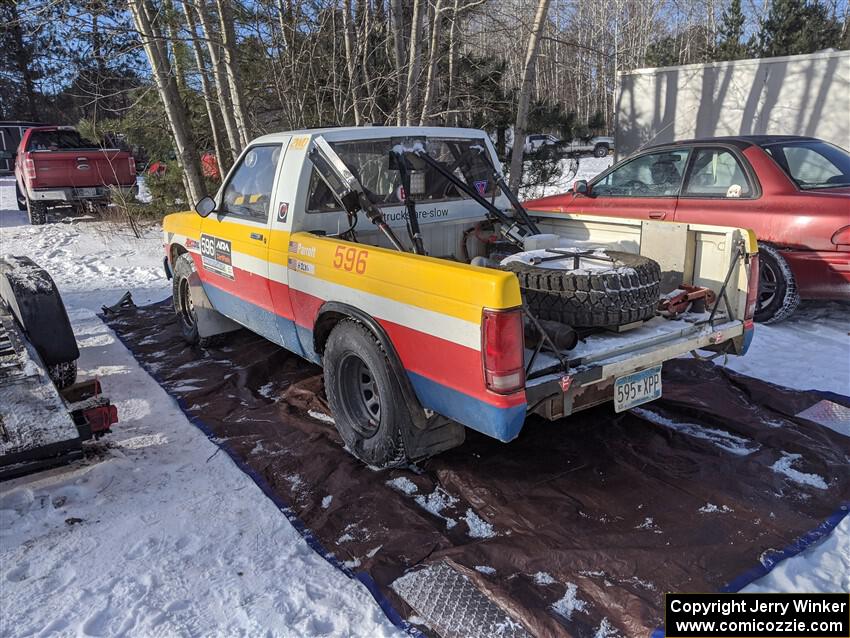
(159, 535)
(808, 351)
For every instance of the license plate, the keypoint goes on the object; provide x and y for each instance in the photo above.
(86, 192)
(637, 388)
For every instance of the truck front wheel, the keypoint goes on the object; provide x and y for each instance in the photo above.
(365, 397)
(182, 298)
(600, 150)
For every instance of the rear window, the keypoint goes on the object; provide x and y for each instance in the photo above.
(812, 163)
(58, 141)
(370, 163)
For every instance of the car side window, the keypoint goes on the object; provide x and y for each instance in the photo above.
(716, 172)
(651, 175)
(249, 190)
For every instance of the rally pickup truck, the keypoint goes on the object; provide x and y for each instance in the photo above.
(398, 260)
(56, 166)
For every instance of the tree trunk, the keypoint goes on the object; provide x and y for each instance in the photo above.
(228, 47)
(411, 92)
(397, 22)
(525, 93)
(206, 89)
(350, 63)
(170, 97)
(23, 60)
(220, 77)
(433, 59)
(451, 116)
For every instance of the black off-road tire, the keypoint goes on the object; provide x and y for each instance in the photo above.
(183, 306)
(627, 292)
(20, 197)
(63, 374)
(365, 398)
(37, 212)
(600, 150)
(778, 297)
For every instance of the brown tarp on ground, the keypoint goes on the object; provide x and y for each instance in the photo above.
(687, 494)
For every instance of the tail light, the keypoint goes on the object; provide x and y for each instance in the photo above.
(132, 161)
(842, 237)
(503, 350)
(29, 169)
(752, 289)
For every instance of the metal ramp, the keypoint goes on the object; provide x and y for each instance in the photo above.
(451, 604)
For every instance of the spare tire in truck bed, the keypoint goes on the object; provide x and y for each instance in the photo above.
(600, 293)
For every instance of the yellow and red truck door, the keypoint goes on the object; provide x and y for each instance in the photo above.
(234, 242)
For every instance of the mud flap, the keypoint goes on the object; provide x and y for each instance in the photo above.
(210, 321)
(440, 434)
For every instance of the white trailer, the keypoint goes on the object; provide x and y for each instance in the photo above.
(791, 95)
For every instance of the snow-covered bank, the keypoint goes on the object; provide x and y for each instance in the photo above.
(159, 534)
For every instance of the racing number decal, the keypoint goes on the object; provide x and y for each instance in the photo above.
(217, 255)
(350, 259)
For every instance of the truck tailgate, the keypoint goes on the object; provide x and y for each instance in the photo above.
(81, 168)
(603, 358)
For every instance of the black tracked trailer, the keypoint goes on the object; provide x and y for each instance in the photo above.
(44, 415)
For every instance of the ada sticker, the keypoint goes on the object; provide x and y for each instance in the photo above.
(217, 256)
(282, 211)
(481, 187)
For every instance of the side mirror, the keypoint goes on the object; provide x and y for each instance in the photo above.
(581, 186)
(205, 206)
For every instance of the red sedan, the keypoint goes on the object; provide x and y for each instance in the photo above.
(793, 192)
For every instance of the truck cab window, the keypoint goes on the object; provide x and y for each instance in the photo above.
(369, 161)
(249, 191)
(58, 141)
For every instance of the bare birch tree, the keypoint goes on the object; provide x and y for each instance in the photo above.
(525, 93)
(169, 95)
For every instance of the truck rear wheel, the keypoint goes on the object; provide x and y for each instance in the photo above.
(37, 212)
(626, 292)
(600, 150)
(365, 396)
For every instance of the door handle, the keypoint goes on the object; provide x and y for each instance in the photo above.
(657, 214)
(257, 236)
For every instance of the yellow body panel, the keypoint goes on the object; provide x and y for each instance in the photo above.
(451, 288)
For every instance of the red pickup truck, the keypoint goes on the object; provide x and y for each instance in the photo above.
(56, 166)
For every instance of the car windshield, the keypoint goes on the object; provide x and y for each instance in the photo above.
(369, 160)
(58, 141)
(812, 163)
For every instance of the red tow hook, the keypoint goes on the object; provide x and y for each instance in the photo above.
(694, 297)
